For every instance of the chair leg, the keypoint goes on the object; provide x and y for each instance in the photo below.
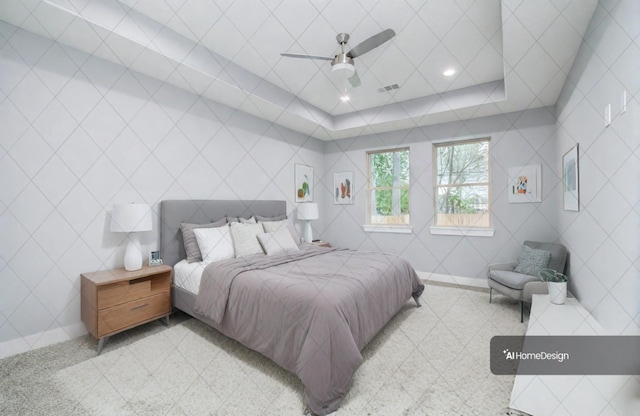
(521, 311)
(490, 293)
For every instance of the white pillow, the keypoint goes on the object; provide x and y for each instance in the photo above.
(244, 238)
(251, 220)
(215, 244)
(272, 226)
(277, 242)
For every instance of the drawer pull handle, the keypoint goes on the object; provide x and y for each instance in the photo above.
(140, 307)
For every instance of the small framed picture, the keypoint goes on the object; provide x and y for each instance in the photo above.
(343, 188)
(303, 177)
(571, 180)
(154, 258)
(524, 184)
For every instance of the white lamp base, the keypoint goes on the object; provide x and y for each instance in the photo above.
(133, 254)
(308, 233)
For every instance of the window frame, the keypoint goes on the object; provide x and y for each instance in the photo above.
(404, 227)
(468, 230)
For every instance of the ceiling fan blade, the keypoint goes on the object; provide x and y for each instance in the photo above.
(371, 43)
(355, 79)
(301, 55)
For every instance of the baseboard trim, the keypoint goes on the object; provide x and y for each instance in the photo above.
(454, 280)
(41, 339)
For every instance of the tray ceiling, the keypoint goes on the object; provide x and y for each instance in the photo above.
(508, 55)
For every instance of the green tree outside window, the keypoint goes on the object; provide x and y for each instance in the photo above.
(389, 179)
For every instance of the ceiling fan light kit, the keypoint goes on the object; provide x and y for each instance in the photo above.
(343, 64)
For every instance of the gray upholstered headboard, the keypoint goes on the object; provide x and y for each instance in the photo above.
(172, 213)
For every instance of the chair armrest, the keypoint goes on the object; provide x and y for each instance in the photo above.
(509, 266)
(534, 288)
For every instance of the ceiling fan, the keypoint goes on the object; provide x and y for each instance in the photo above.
(344, 61)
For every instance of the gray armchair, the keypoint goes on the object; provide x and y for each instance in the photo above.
(503, 278)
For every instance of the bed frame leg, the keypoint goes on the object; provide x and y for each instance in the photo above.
(417, 299)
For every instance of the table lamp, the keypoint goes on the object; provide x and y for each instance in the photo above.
(307, 212)
(131, 218)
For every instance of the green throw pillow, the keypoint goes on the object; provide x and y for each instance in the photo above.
(532, 260)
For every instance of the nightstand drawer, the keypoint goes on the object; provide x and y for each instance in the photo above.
(122, 292)
(132, 313)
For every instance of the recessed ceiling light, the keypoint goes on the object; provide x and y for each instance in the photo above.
(449, 72)
(344, 98)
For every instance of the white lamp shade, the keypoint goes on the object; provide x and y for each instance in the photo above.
(308, 211)
(127, 218)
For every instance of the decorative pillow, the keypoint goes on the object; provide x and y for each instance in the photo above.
(215, 243)
(244, 238)
(267, 219)
(272, 226)
(532, 260)
(232, 219)
(277, 242)
(189, 238)
(251, 220)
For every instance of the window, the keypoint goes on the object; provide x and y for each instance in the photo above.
(388, 187)
(462, 187)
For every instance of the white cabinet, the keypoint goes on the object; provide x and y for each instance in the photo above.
(571, 395)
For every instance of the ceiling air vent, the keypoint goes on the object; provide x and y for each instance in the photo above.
(388, 88)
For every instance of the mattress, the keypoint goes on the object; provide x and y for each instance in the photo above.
(187, 275)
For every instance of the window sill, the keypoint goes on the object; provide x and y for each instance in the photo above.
(399, 229)
(467, 232)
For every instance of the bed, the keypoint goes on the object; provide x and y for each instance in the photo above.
(310, 311)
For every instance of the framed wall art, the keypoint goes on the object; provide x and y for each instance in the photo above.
(343, 188)
(571, 180)
(303, 178)
(524, 184)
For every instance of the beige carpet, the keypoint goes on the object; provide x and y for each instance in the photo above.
(430, 361)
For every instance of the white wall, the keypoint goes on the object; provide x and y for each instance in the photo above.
(517, 139)
(80, 134)
(604, 236)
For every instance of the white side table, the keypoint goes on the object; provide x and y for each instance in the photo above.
(571, 395)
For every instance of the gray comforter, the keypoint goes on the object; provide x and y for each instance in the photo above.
(311, 311)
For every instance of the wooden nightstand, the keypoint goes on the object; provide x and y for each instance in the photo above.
(321, 243)
(116, 300)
